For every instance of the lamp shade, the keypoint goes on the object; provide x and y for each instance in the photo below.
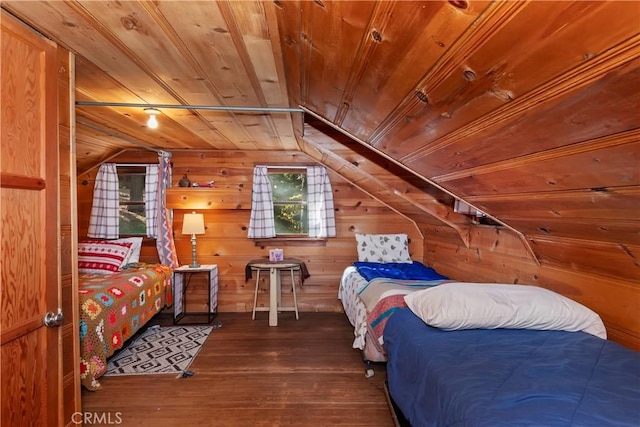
(193, 223)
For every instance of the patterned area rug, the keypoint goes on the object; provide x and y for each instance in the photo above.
(160, 350)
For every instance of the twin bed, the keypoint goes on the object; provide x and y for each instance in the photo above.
(118, 295)
(368, 300)
(473, 354)
(509, 377)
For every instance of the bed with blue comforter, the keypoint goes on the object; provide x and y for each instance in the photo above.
(371, 291)
(509, 377)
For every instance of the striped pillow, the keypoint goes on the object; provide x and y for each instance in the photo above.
(102, 257)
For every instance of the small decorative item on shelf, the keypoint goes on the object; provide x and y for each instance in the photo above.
(276, 255)
(184, 182)
(208, 184)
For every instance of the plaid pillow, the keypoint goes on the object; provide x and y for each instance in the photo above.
(102, 257)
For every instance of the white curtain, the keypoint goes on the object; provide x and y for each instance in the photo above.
(261, 223)
(151, 199)
(104, 222)
(322, 221)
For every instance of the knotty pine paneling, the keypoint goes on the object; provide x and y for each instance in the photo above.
(500, 240)
(588, 229)
(85, 199)
(614, 260)
(484, 74)
(600, 214)
(613, 297)
(323, 87)
(611, 203)
(227, 207)
(590, 167)
(553, 124)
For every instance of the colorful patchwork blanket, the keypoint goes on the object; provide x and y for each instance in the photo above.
(112, 308)
(382, 297)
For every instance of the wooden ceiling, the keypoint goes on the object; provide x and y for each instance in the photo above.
(527, 110)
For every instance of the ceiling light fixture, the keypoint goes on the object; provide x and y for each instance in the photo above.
(153, 121)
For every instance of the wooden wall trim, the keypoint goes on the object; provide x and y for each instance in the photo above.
(9, 180)
(545, 197)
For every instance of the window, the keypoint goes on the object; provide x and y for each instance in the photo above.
(290, 209)
(131, 181)
(290, 202)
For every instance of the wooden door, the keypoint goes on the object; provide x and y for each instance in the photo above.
(30, 353)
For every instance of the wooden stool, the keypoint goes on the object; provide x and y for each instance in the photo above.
(255, 294)
(291, 269)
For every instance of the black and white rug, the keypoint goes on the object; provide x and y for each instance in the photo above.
(160, 350)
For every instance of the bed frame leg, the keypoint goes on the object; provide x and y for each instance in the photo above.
(368, 370)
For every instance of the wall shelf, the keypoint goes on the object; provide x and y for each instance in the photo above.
(207, 198)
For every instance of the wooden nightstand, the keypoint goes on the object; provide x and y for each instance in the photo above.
(181, 278)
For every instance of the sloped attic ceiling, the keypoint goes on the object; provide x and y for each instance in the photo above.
(528, 110)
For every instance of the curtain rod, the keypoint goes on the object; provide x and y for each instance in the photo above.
(192, 107)
(286, 167)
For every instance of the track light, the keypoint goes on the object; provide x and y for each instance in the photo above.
(153, 121)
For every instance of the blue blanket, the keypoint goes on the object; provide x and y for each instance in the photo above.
(397, 270)
(505, 377)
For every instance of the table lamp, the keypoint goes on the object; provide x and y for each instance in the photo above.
(193, 224)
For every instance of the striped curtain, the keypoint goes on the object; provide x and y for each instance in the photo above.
(261, 223)
(104, 222)
(151, 179)
(164, 240)
(322, 221)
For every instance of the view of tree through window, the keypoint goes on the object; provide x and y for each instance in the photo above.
(131, 188)
(290, 202)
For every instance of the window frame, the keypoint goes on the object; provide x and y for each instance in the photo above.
(290, 239)
(132, 169)
(280, 170)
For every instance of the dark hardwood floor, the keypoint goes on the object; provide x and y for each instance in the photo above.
(300, 373)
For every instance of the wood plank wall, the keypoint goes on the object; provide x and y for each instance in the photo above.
(226, 209)
(498, 256)
(494, 255)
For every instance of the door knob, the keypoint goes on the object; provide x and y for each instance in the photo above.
(52, 320)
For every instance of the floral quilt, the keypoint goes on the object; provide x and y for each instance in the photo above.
(112, 308)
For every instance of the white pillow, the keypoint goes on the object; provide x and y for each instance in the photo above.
(136, 245)
(456, 306)
(383, 248)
